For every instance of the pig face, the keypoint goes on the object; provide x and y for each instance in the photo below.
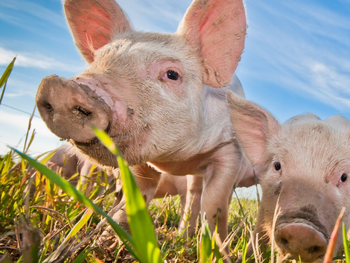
(141, 87)
(303, 167)
(148, 101)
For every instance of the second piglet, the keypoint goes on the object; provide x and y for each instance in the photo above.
(303, 168)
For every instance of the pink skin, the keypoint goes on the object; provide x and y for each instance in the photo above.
(303, 169)
(104, 91)
(155, 95)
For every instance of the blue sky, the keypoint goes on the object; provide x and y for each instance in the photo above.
(296, 58)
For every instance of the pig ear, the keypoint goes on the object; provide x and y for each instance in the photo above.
(253, 127)
(94, 23)
(218, 29)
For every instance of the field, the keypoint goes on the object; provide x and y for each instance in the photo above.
(38, 217)
(41, 223)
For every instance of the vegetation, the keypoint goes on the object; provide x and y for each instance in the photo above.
(42, 223)
(43, 218)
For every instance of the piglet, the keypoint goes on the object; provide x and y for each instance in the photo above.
(303, 168)
(158, 96)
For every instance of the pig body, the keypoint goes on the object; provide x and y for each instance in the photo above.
(303, 169)
(156, 95)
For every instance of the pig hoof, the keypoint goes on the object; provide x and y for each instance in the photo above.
(109, 238)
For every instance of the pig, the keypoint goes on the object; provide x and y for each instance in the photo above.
(160, 97)
(303, 166)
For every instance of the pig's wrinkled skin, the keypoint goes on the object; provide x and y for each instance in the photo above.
(150, 92)
(303, 168)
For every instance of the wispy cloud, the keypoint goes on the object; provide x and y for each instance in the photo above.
(301, 47)
(13, 131)
(154, 15)
(29, 60)
(22, 10)
(20, 123)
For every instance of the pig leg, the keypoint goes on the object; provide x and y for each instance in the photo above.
(147, 180)
(190, 202)
(85, 172)
(219, 179)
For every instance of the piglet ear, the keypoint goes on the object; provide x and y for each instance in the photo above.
(94, 23)
(253, 127)
(218, 29)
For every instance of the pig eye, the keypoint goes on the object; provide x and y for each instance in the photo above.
(173, 75)
(343, 177)
(277, 166)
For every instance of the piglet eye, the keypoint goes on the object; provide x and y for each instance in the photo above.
(277, 166)
(173, 75)
(343, 177)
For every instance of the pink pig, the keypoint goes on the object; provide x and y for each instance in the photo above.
(158, 96)
(303, 169)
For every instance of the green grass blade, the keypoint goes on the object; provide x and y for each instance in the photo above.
(140, 223)
(80, 197)
(107, 141)
(43, 253)
(5, 76)
(218, 255)
(82, 255)
(83, 220)
(139, 220)
(215, 247)
(206, 252)
(346, 245)
(25, 147)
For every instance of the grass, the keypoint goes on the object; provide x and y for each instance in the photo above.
(45, 219)
(40, 221)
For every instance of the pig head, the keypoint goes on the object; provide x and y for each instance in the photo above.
(157, 96)
(303, 167)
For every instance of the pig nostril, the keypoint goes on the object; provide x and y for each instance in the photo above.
(83, 111)
(314, 249)
(48, 106)
(284, 242)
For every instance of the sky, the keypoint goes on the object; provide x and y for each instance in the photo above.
(296, 58)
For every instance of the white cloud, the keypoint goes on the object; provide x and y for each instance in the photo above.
(300, 47)
(13, 128)
(20, 122)
(155, 15)
(30, 60)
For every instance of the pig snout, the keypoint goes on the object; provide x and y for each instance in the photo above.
(300, 239)
(70, 109)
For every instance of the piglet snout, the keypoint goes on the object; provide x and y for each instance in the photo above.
(70, 109)
(301, 240)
